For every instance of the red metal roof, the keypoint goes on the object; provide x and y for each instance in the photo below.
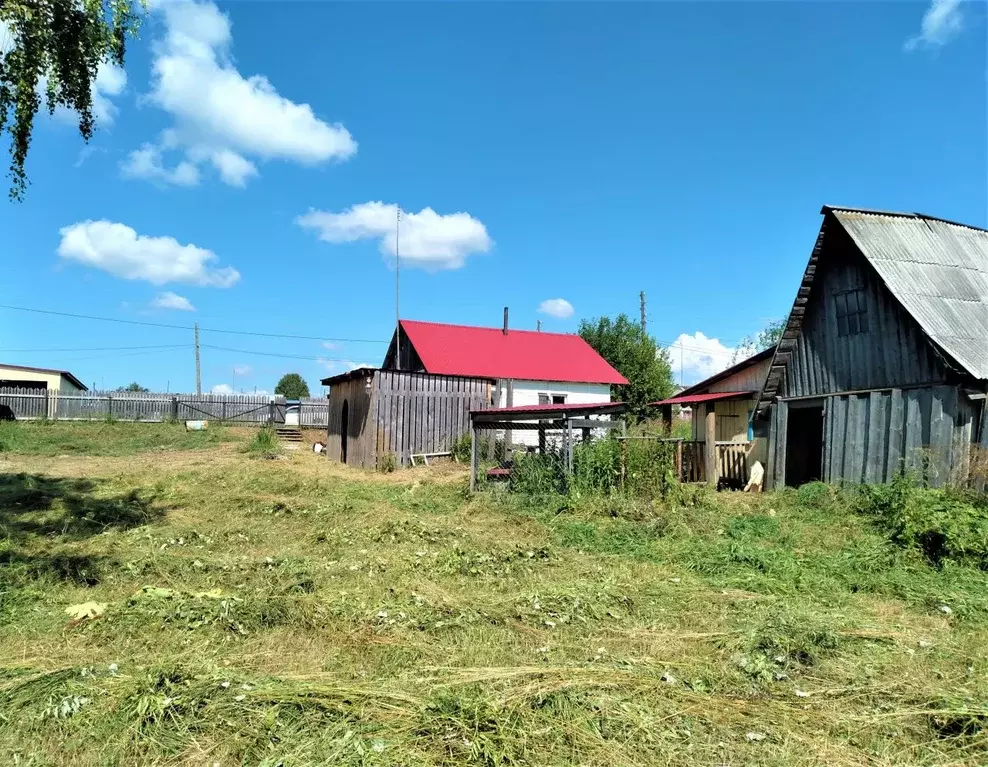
(461, 350)
(693, 399)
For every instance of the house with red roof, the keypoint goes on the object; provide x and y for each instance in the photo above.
(433, 374)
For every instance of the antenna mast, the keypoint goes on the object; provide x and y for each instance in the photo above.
(397, 290)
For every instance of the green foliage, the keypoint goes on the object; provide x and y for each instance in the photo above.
(388, 463)
(636, 356)
(65, 42)
(538, 475)
(292, 386)
(944, 525)
(133, 387)
(265, 443)
(768, 336)
(461, 448)
(817, 495)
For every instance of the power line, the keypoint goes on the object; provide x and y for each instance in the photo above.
(189, 327)
(275, 354)
(96, 348)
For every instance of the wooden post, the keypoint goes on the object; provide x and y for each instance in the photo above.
(569, 446)
(679, 460)
(174, 408)
(624, 451)
(473, 458)
(109, 406)
(542, 442)
(710, 447)
(509, 402)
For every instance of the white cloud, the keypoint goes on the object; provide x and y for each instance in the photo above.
(110, 81)
(941, 22)
(242, 370)
(331, 345)
(146, 163)
(428, 239)
(695, 357)
(234, 169)
(334, 366)
(169, 300)
(222, 389)
(119, 250)
(557, 307)
(220, 116)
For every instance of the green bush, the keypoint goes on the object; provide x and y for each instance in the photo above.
(537, 474)
(388, 463)
(943, 525)
(815, 495)
(265, 443)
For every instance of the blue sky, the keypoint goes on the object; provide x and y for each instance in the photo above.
(249, 162)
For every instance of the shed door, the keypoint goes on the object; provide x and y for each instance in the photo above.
(804, 443)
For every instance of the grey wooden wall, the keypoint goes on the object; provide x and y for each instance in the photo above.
(357, 393)
(424, 413)
(870, 437)
(894, 351)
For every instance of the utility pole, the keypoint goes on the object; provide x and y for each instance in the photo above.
(641, 297)
(397, 293)
(538, 325)
(198, 372)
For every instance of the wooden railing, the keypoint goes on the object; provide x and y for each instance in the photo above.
(731, 461)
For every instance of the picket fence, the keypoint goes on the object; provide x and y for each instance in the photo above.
(245, 409)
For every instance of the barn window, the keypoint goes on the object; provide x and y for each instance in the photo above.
(543, 398)
(852, 312)
(558, 399)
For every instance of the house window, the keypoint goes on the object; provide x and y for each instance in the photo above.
(852, 312)
(543, 398)
(558, 399)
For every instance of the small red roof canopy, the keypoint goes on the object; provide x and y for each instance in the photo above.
(461, 350)
(693, 399)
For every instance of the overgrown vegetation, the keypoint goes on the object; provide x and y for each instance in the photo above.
(297, 612)
(265, 444)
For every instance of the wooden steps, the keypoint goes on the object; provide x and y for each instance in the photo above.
(289, 436)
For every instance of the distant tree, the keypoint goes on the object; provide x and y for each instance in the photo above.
(634, 355)
(52, 50)
(768, 336)
(292, 386)
(133, 387)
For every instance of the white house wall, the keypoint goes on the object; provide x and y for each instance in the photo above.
(527, 393)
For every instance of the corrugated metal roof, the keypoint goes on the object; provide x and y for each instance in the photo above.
(937, 270)
(693, 399)
(463, 350)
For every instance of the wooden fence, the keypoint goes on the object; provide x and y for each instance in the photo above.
(246, 409)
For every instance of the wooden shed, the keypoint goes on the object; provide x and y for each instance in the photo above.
(376, 413)
(883, 363)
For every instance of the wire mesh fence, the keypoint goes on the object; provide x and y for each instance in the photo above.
(555, 458)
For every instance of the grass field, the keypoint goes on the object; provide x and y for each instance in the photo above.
(245, 610)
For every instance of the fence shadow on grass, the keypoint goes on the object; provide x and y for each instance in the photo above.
(36, 505)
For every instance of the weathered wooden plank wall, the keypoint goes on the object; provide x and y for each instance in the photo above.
(870, 437)
(894, 351)
(423, 413)
(356, 393)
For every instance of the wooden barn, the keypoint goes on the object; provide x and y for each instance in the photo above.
(434, 374)
(883, 364)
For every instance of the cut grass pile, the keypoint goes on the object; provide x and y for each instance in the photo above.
(296, 612)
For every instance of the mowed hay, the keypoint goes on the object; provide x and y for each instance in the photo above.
(298, 612)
